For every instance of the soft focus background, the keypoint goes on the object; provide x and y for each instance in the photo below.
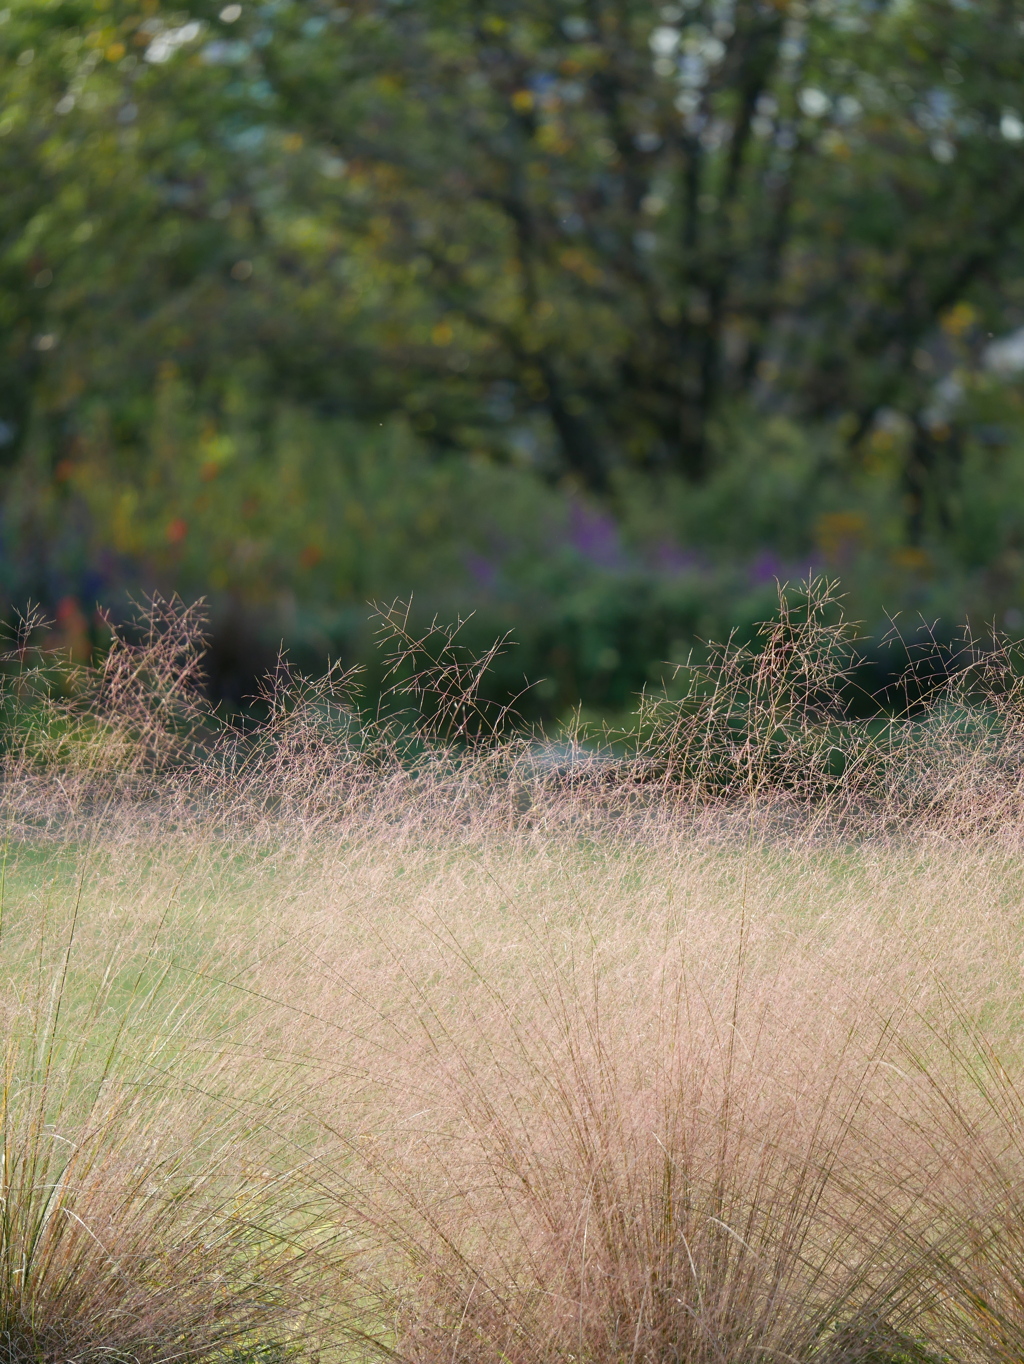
(592, 317)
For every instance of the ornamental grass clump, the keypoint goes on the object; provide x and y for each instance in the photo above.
(121, 1240)
(156, 1204)
(604, 1179)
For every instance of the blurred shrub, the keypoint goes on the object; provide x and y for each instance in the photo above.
(291, 525)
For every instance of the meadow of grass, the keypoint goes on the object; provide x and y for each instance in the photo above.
(412, 1036)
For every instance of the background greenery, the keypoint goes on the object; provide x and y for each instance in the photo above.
(593, 317)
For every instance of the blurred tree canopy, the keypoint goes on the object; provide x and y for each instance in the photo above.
(583, 240)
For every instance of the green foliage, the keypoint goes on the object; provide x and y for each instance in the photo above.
(594, 317)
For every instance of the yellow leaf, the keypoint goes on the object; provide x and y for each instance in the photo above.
(959, 319)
